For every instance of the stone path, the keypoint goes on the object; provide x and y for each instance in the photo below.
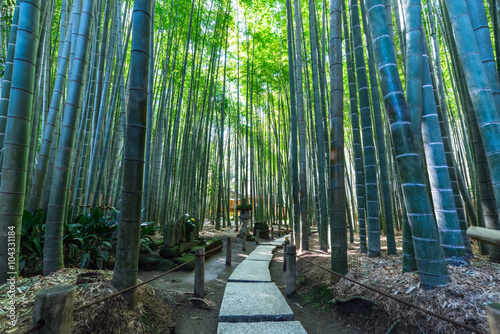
(252, 303)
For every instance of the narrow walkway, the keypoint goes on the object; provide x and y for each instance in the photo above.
(252, 303)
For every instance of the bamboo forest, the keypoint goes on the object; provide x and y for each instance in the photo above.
(250, 166)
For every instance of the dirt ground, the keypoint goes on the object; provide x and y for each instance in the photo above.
(196, 319)
(314, 320)
(164, 305)
(463, 300)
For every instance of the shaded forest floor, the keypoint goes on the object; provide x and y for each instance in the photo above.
(164, 306)
(463, 300)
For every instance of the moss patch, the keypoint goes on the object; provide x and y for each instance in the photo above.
(170, 253)
(188, 266)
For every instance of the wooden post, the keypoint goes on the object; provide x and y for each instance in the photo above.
(290, 270)
(257, 234)
(493, 312)
(199, 273)
(272, 232)
(291, 237)
(244, 248)
(229, 246)
(287, 242)
(54, 307)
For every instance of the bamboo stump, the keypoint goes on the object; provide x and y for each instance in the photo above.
(54, 307)
(291, 285)
(199, 273)
(493, 312)
(229, 247)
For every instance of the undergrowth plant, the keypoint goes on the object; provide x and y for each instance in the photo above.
(32, 237)
(88, 238)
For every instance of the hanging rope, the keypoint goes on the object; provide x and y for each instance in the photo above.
(40, 324)
(439, 316)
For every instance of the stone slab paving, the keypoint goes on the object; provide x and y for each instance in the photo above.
(253, 302)
(262, 253)
(272, 243)
(266, 327)
(251, 271)
(264, 249)
(277, 242)
(255, 256)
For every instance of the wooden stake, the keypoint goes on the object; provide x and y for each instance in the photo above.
(199, 273)
(493, 312)
(257, 234)
(287, 242)
(291, 285)
(54, 307)
(229, 246)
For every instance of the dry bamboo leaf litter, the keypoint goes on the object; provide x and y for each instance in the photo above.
(157, 311)
(463, 300)
(153, 312)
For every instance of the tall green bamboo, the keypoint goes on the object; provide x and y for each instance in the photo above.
(6, 82)
(479, 23)
(53, 247)
(431, 266)
(488, 119)
(379, 133)
(442, 193)
(304, 227)
(293, 121)
(370, 163)
(358, 154)
(323, 222)
(17, 137)
(127, 249)
(35, 199)
(337, 189)
(442, 109)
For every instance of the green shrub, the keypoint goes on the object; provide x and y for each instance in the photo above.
(88, 238)
(32, 236)
(147, 243)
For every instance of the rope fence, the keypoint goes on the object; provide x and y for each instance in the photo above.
(289, 261)
(431, 313)
(41, 323)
